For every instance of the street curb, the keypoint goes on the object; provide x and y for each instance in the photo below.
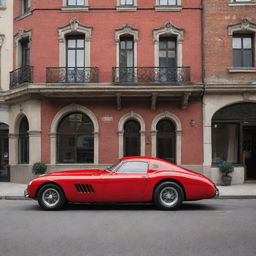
(220, 197)
(13, 198)
(237, 197)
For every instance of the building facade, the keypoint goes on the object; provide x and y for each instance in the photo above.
(93, 81)
(229, 103)
(6, 65)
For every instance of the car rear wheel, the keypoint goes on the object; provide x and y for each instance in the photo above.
(168, 196)
(51, 197)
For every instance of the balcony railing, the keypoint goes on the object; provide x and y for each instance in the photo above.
(20, 76)
(72, 75)
(151, 74)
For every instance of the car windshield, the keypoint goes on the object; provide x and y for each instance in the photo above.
(113, 167)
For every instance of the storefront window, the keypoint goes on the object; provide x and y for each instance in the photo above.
(166, 140)
(225, 142)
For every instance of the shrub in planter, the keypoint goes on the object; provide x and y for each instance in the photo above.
(39, 168)
(226, 168)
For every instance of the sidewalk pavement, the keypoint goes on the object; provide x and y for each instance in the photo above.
(12, 191)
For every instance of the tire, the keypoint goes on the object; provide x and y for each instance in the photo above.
(51, 197)
(168, 196)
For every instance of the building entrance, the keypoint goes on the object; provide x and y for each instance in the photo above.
(4, 153)
(249, 151)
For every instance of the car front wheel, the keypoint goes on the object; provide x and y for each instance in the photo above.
(51, 197)
(168, 196)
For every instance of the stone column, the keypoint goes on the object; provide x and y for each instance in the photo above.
(34, 146)
(1, 43)
(13, 148)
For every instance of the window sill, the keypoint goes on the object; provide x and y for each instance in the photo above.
(2, 7)
(126, 8)
(75, 9)
(23, 16)
(241, 70)
(168, 8)
(242, 4)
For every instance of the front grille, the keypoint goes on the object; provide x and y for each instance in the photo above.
(84, 188)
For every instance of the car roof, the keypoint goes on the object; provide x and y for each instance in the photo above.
(140, 158)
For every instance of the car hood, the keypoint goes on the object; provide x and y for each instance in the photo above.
(88, 172)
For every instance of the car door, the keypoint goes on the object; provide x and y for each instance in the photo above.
(127, 183)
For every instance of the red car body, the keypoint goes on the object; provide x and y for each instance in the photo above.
(98, 185)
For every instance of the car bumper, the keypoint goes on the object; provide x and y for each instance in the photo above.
(26, 195)
(217, 193)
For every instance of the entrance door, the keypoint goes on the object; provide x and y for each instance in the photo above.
(166, 141)
(249, 151)
(4, 156)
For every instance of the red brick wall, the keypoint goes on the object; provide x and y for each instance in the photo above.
(45, 47)
(192, 151)
(218, 44)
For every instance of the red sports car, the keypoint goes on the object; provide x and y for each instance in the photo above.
(132, 179)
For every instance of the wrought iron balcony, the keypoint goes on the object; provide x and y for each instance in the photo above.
(72, 75)
(20, 76)
(151, 74)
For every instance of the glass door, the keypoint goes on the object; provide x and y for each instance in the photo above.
(75, 59)
(167, 60)
(4, 153)
(126, 58)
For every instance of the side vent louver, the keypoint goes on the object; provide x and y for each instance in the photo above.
(84, 188)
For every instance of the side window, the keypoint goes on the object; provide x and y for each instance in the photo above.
(242, 50)
(133, 167)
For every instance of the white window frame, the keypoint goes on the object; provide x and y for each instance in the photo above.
(168, 30)
(244, 26)
(168, 8)
(21, 34)
(242, 3)
(126, 30)
(74, 27)
(126, 8)
(78, 8)
(3, 6)
(22, 7)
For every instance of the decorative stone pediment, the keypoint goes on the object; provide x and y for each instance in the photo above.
(74, 27)
(127, 30)
(244, 25)
(168, 29)
(23, 34)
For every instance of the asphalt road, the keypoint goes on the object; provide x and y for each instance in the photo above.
(208, 227)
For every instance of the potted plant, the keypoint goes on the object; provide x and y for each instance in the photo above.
(39, 168)
(226, 168)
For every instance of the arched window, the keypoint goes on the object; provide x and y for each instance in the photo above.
(132, 138)
(75, 139)
(24, 141)
(166, 140)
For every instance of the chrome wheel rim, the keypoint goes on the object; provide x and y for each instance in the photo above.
(169, 196)
(51, 197)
